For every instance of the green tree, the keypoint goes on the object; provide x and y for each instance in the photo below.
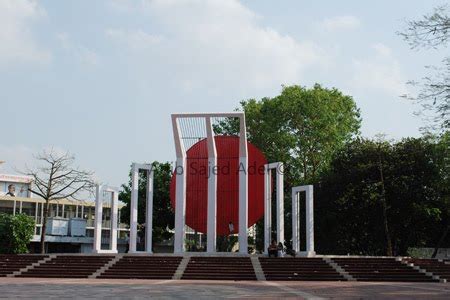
(301, 127)
(163, 215)
(16, 232)
(443, 161)
(412, 197)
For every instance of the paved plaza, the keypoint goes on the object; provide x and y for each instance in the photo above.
(168, 289)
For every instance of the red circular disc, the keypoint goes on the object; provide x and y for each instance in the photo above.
(228, 169)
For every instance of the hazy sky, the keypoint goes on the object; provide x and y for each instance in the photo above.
(100, 78)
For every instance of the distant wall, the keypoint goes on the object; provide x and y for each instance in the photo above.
(427, 252)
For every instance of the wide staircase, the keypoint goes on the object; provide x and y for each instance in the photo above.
(224, 268)
(13, 263)
(381, 269)
(304, 269)
(69, 266)
(143, 267)
(219, 268)
(437, 267)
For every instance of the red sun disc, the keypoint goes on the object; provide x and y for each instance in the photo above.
(228, 170)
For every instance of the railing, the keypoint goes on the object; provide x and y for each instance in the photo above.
(91, 224)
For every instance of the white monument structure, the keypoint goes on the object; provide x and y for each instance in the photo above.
(100, 190)
(181, 132)
(180, 194)
(279, 171)
(135, 168)
(308, 189)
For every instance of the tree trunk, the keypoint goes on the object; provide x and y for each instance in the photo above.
(441, 240)
(384, 209)
(44, 226)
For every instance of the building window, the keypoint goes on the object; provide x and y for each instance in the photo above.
(29, 209)
(80, 211)
(60, 210)
(18, 204)
(7, 206)
(39, 212)
(69, 211)
(52, 212)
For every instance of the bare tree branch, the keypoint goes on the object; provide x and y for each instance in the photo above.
(432, 31)
(56, 178)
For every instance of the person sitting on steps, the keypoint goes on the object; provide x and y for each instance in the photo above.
(280, 249)
(273, 249)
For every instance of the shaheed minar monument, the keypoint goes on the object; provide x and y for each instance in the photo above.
(221, 186)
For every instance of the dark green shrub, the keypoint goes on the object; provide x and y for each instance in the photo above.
(16, 233)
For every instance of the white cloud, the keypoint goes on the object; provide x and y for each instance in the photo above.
(217, 44)
(382, 49)
(80, 52)
(135, 39)
(340, 23)
(380, 71)
(124, 5)
(16, 158)
(16, 40)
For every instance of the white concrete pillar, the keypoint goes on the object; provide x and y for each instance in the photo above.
(98, 219)
(267, 207)
(36, 217)
(308, 189)
(135, 168)
(243, 188)
(149, 213)
(310, 221)
(180, 206)
(295, 222)
(212, 189)
(280, 202)
(134, 207)
(114, 220)
(180, 193)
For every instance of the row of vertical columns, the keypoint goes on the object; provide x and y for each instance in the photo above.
(180, 191)
(100, 189)
(308, 189)
(279, 183)
(134, 207)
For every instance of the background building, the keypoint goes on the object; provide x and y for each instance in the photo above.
(70, 226)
